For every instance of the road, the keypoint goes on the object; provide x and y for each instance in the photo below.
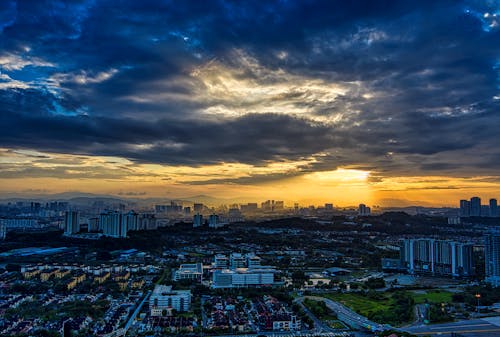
(319, 325)
(136, 312)
(486, 327)
(350, 317)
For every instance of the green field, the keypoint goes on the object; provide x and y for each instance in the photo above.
(362, 304)
(432, 296)
(395, 308)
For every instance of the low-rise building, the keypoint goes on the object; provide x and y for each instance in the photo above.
(164, 299)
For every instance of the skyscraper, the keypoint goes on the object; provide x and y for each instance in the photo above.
(493, 208)
(475, 206)
(492, 257)
(464, 208)
(71, 222)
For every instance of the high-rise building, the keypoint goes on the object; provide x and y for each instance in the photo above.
(197, 220)
(213, 221)
(475, 206)
(279, 205)
(71, 222)
(197, 207)
(363, 210)
(147, 222)
(112, 224)
(3, 231)
(437, 257)
(493, 208)
(464, 208)
(131, 220)
(492, 257)
(329, 207)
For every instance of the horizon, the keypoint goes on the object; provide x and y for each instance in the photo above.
(392, 103)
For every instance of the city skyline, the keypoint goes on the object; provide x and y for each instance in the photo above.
(390, 104)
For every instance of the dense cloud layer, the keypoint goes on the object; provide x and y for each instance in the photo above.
(398, 87)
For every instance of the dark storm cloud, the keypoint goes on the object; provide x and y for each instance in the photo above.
(114, 78)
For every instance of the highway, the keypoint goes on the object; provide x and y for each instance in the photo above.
(487, 327)
(350, 317)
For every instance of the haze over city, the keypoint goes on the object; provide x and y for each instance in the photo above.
(387, 102)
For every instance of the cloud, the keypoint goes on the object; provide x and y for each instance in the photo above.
(394, 87)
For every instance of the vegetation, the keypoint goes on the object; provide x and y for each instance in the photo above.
(393, 308)
(319, 309)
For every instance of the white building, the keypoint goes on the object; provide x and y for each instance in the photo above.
(237, 260)
(191, 271)
(221, 261)
(243, 278)
(164, 299)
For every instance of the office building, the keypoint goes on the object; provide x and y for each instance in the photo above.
(164, 299)
(71, 223)
(191, 271)
(253, 261)
(243, 278)
(437, 257)
(475, 206)
(493, 208)
(221, 261)
(492, 257)
(464, 208)
(237, 260)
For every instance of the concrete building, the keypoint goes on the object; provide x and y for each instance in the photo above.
(112, 224)
(464, 208)
(71, 222)
(493, 208)
(131, 220)
(363, 210)
(213, 221)
(197, 220)
(3, 231)
(191, 271)
(492, 257)
(147, 222)
(437, 257)
(164, 299)
(475, 206)
(221, 261)
(237, 260)
(243, 278)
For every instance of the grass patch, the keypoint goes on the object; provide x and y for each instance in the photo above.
(433, 296)
(394, 308)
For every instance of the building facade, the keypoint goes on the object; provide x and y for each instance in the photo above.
(492, 257)
(437, 257)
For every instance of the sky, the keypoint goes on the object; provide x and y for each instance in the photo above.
(382, 102)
